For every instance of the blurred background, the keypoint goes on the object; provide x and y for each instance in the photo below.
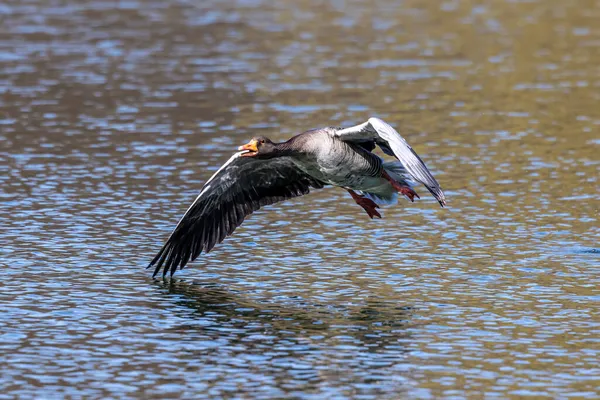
(114, 113)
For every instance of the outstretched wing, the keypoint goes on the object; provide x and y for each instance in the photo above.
(240, 187)
(390, 141)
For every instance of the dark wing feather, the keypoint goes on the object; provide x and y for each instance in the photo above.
(391, 143)
(240, 187)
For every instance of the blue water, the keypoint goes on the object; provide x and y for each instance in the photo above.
(113, 115)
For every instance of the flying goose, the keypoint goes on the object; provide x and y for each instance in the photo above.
(263, 173)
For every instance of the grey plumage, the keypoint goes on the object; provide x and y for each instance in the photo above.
(264, 173)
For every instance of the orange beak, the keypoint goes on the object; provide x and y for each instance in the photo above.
(252, 146)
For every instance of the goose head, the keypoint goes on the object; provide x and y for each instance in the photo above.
(261, 147)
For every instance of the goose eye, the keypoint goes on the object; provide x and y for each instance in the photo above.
(262, 141)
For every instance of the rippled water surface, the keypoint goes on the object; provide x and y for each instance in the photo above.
(114, 113)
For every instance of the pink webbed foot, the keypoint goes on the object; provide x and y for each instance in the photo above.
(402, 189)
(367, 204)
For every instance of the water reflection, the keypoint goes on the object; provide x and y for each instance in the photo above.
(294, 315)
(113, 115)
(288, 339)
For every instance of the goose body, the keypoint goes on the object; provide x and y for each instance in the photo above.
(263, 173)
(331, 160)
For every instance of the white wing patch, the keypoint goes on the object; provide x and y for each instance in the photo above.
(378, 130)
(206, 185)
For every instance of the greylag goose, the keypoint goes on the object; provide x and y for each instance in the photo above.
(263, 173)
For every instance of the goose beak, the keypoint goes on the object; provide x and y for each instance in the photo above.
(251, 148)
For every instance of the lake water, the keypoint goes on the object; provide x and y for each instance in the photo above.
(114, 113)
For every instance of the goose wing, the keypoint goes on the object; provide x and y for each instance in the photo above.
(240, 187)
(380, 132)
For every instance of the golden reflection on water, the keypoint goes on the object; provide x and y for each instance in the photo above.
(113, 115)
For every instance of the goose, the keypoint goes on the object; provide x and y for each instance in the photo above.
(262, 172)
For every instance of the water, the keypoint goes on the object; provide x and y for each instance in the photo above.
(113, 114)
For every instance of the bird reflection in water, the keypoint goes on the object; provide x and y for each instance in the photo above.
(374, 323)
